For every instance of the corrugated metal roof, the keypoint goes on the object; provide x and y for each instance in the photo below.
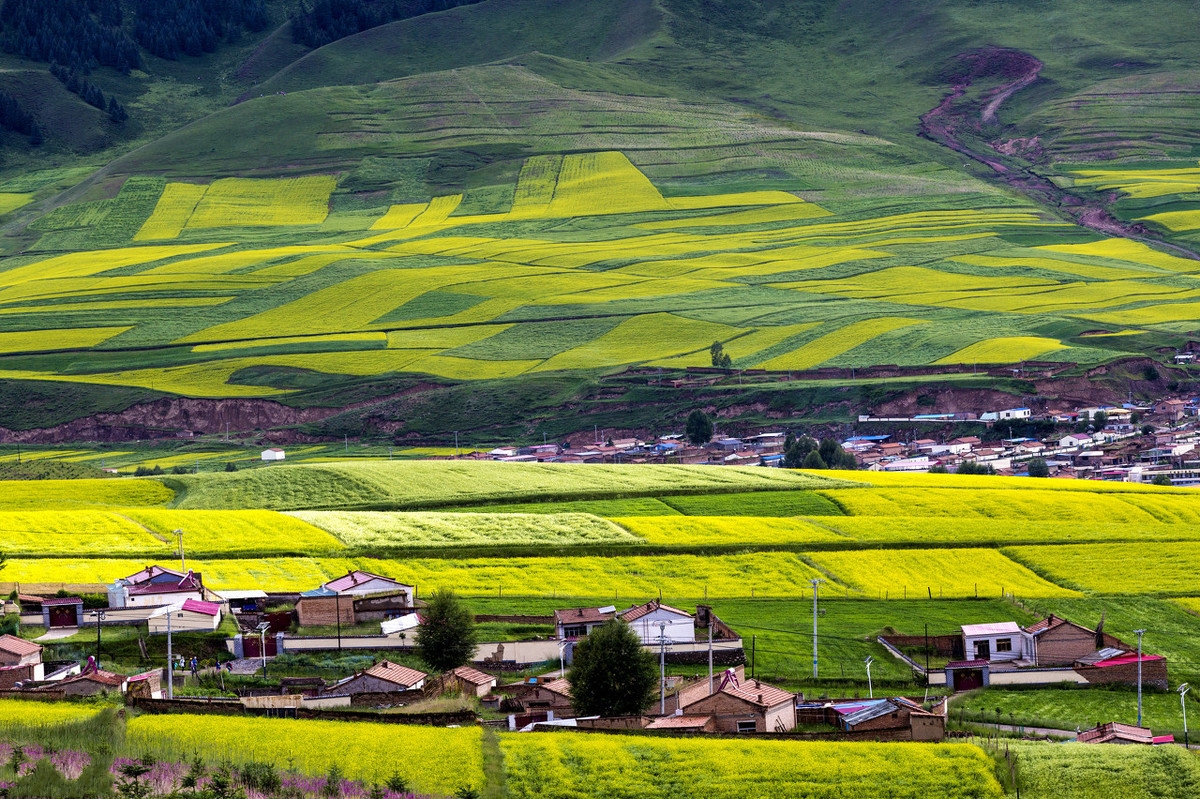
(994, 628)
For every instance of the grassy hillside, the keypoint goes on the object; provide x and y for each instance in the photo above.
(505, 190)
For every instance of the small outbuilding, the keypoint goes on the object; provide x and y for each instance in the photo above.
(62, 612)
(383, 677)
(750, 707)
(190, 615)
(469, 681)
(273, 454)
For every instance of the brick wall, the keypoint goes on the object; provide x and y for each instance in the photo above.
(11, 675)
(486, 617)
(1063, 645)
(384, 698)
(1154, 673)
(321, 611)
(946, 646)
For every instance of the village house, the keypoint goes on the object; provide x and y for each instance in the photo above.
(579, 622)
(338, 601)
(996, 642)
(90, 683)
(1058, 642)
(651, 621)
(468, 681)
(190, 615)
(1171, 409)
(750, 706)
(888, 719)
(20, 660)
(383, 677)
(534, 695)
(273, 454)
(155, 586)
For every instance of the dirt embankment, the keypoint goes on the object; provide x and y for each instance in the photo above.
(176, 418)
(960, 124)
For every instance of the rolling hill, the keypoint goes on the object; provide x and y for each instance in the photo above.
(561, 195)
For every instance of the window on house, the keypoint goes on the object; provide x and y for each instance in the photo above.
(747, 726)
(1003, 644)
(575, 631)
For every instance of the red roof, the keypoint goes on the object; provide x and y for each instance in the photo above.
(637, 611)
(473, 676)
(759, 693)
(559, 686)
(207, 608)
(1125, 660)
(395, 673)
(18, 646)
(583, 616)
(968, 664)
(1164, 739)
(103, 677)
(149, 573)
(66, 600)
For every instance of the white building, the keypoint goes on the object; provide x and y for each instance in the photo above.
(190, 615)
(996, 642)
(654, 619)
(273, 454)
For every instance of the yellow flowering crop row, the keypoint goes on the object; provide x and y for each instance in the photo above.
(432, 760)
(66, 339)
(726, 530)
(646, 337)
(172, 212)
(249, 202)
(419, 530)
(571, 766)
(1009, 349)
(834, 344)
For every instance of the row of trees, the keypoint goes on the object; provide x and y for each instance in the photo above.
(15, 118)
(807, 453)
(89, 92)
(330, 20)
(82, 34)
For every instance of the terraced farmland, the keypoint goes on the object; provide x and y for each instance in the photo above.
(645, 279)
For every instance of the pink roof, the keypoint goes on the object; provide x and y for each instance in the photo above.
(150, 572)
(358, 577)
(396, 673)
(759, 693)
(1125, 660)
(559, 686)
(1164, 739)
(473, 676)
(583, 616)
(207, 608)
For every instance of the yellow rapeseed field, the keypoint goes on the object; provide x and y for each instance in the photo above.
(67, 339)
(432, 760)
(834, 344)
(594, 184)
(254, 202)
(1008, 349)
(172, 212)
(726, 531)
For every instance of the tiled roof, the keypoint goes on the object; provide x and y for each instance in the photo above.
(473, 676)
(679, 722)
(394, 672)
(149, 573)
(967, 664)
(559, 686)
(1104, 733)
(18, 646)
(187, 583)
(357, 577)
(66, 600)
(103, 677)
(759, 693)
(637, 611)
(582, 616)
(207, 608)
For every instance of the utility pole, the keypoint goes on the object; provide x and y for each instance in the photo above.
(456, 443)
(815, 582)
(1140, 633)
(662, 668)
(337, 601)
(710, 654)
(170, 659)
(870, 686)
(1183, 689)
(182, 561)
(99, 614)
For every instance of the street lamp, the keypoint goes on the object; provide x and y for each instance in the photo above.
(99, 614)
(662, 668)
(1140, 633)
(262, 628)
(182, 561)
(1183, 689)
(870, 687)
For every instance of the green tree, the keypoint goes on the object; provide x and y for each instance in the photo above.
(834, 456)
(939, 469)
(797, 451)
(813, 460)
(612, 674)
(699, 427)
(1038, 468)
(446, 640)
(1161, 480)
(720, 358)
(1099, 419)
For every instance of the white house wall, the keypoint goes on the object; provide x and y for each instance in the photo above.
(679, 629)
